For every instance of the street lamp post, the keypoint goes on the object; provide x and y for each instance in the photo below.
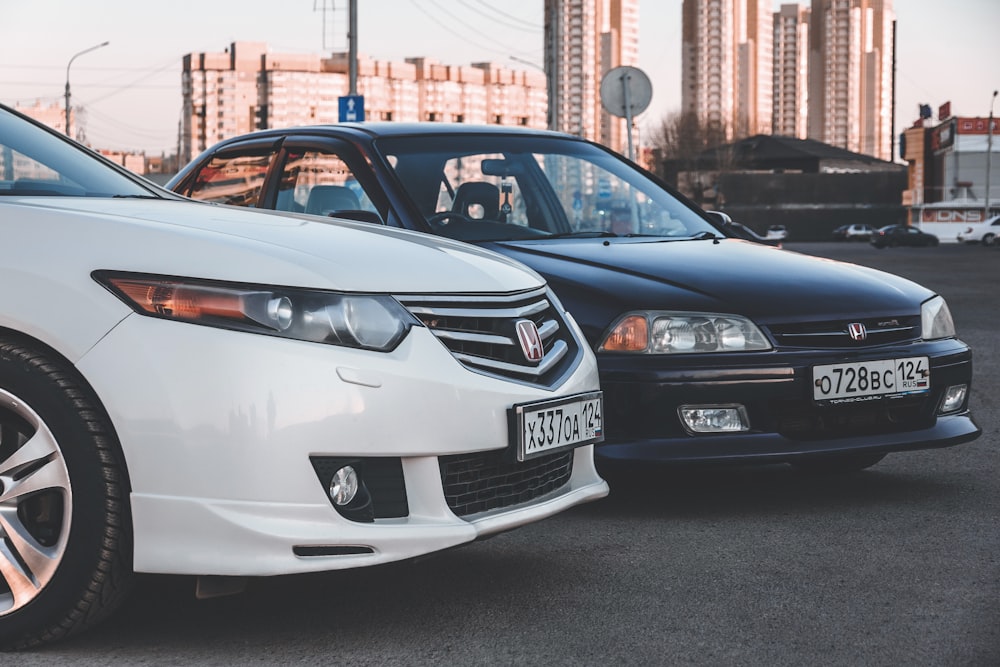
(93, 48)
(989, 153)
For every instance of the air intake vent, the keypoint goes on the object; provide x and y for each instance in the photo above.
(490, 334)
(837, 334)
(484, 481)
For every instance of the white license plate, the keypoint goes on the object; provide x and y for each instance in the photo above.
(868, 380)
(561, 423)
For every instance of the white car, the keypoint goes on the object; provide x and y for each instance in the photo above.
(984, 232)
(212, 391)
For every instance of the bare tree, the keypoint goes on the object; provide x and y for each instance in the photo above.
(681, 145)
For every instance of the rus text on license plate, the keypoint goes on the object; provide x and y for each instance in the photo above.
(869, 380)
(561, 423)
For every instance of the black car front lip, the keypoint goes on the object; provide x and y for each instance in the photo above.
(947, 431)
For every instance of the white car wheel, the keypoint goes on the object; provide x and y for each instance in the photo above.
(65, 546)
(989, 239)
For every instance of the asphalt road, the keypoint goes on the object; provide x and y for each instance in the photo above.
(898, 565)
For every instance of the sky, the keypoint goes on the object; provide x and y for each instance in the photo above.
(131, 88)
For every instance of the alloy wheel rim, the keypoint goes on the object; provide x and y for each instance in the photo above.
(35, 504)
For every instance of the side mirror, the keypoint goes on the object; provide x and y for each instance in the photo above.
(719, 218)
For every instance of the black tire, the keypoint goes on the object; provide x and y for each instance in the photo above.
(71, 531)
(989, 239)
(836, 464)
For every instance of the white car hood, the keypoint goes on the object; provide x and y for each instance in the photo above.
(191, 239)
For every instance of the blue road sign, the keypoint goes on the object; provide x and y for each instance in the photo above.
(351, 108)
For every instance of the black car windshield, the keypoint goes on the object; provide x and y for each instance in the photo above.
(37, 162)
(496, 187)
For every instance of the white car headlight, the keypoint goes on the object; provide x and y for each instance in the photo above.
(367, 321)
(935, 320)
(667, 332)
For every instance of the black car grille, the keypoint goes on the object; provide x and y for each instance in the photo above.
(485, 481)
(836, 334)
(480, 331)
(804, 420)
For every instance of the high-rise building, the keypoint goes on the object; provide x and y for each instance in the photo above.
(727, 65)
(850, 75)
(708, 63)
(754, 67)
(791, 71)
(584, 39)
(824, 72)
(248, 88)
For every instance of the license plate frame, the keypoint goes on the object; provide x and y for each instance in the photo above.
(533, 424)
(876, 379)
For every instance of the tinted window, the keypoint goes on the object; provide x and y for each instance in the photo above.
(236, 179)
(319, 183)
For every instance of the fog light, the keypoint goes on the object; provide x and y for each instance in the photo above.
(344, 486)
(954, 397)
(714, 418)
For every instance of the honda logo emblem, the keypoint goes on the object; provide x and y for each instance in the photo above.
(531, 342)
(857, 331)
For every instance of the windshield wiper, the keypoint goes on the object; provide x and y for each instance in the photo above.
(592, 234)
(705, 236)
(135, 197)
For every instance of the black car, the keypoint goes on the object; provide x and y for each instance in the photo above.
(896, 235)
(710, 348)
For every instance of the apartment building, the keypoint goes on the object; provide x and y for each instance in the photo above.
(247, 88)
(584, 39)
(850, 75)
(727, 66)
(791, 71)
(822, 72)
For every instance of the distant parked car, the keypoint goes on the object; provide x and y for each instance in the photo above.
(896, 235)
(985, 232)
(853, 232)
(776, 233)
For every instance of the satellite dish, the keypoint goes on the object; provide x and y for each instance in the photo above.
(626, 91)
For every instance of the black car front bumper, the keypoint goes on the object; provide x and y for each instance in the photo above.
(642, 397)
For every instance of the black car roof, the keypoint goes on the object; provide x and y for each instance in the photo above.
(377, 129)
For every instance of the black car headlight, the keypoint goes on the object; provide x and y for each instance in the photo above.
(366, 321)
(668, 332)
(935, 320)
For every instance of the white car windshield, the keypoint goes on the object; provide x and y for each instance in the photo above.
(34, 161)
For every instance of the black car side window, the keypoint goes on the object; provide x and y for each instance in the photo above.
(235, 179)
(319, 183)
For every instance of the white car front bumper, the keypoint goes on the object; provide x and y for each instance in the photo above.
(218, 428)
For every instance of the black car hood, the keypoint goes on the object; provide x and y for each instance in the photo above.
(728, 276)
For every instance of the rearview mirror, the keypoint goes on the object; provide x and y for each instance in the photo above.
(502, 168)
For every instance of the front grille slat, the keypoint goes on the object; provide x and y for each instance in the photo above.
(834, 334)
(481, 333)
(484, 481)
(551, 359)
